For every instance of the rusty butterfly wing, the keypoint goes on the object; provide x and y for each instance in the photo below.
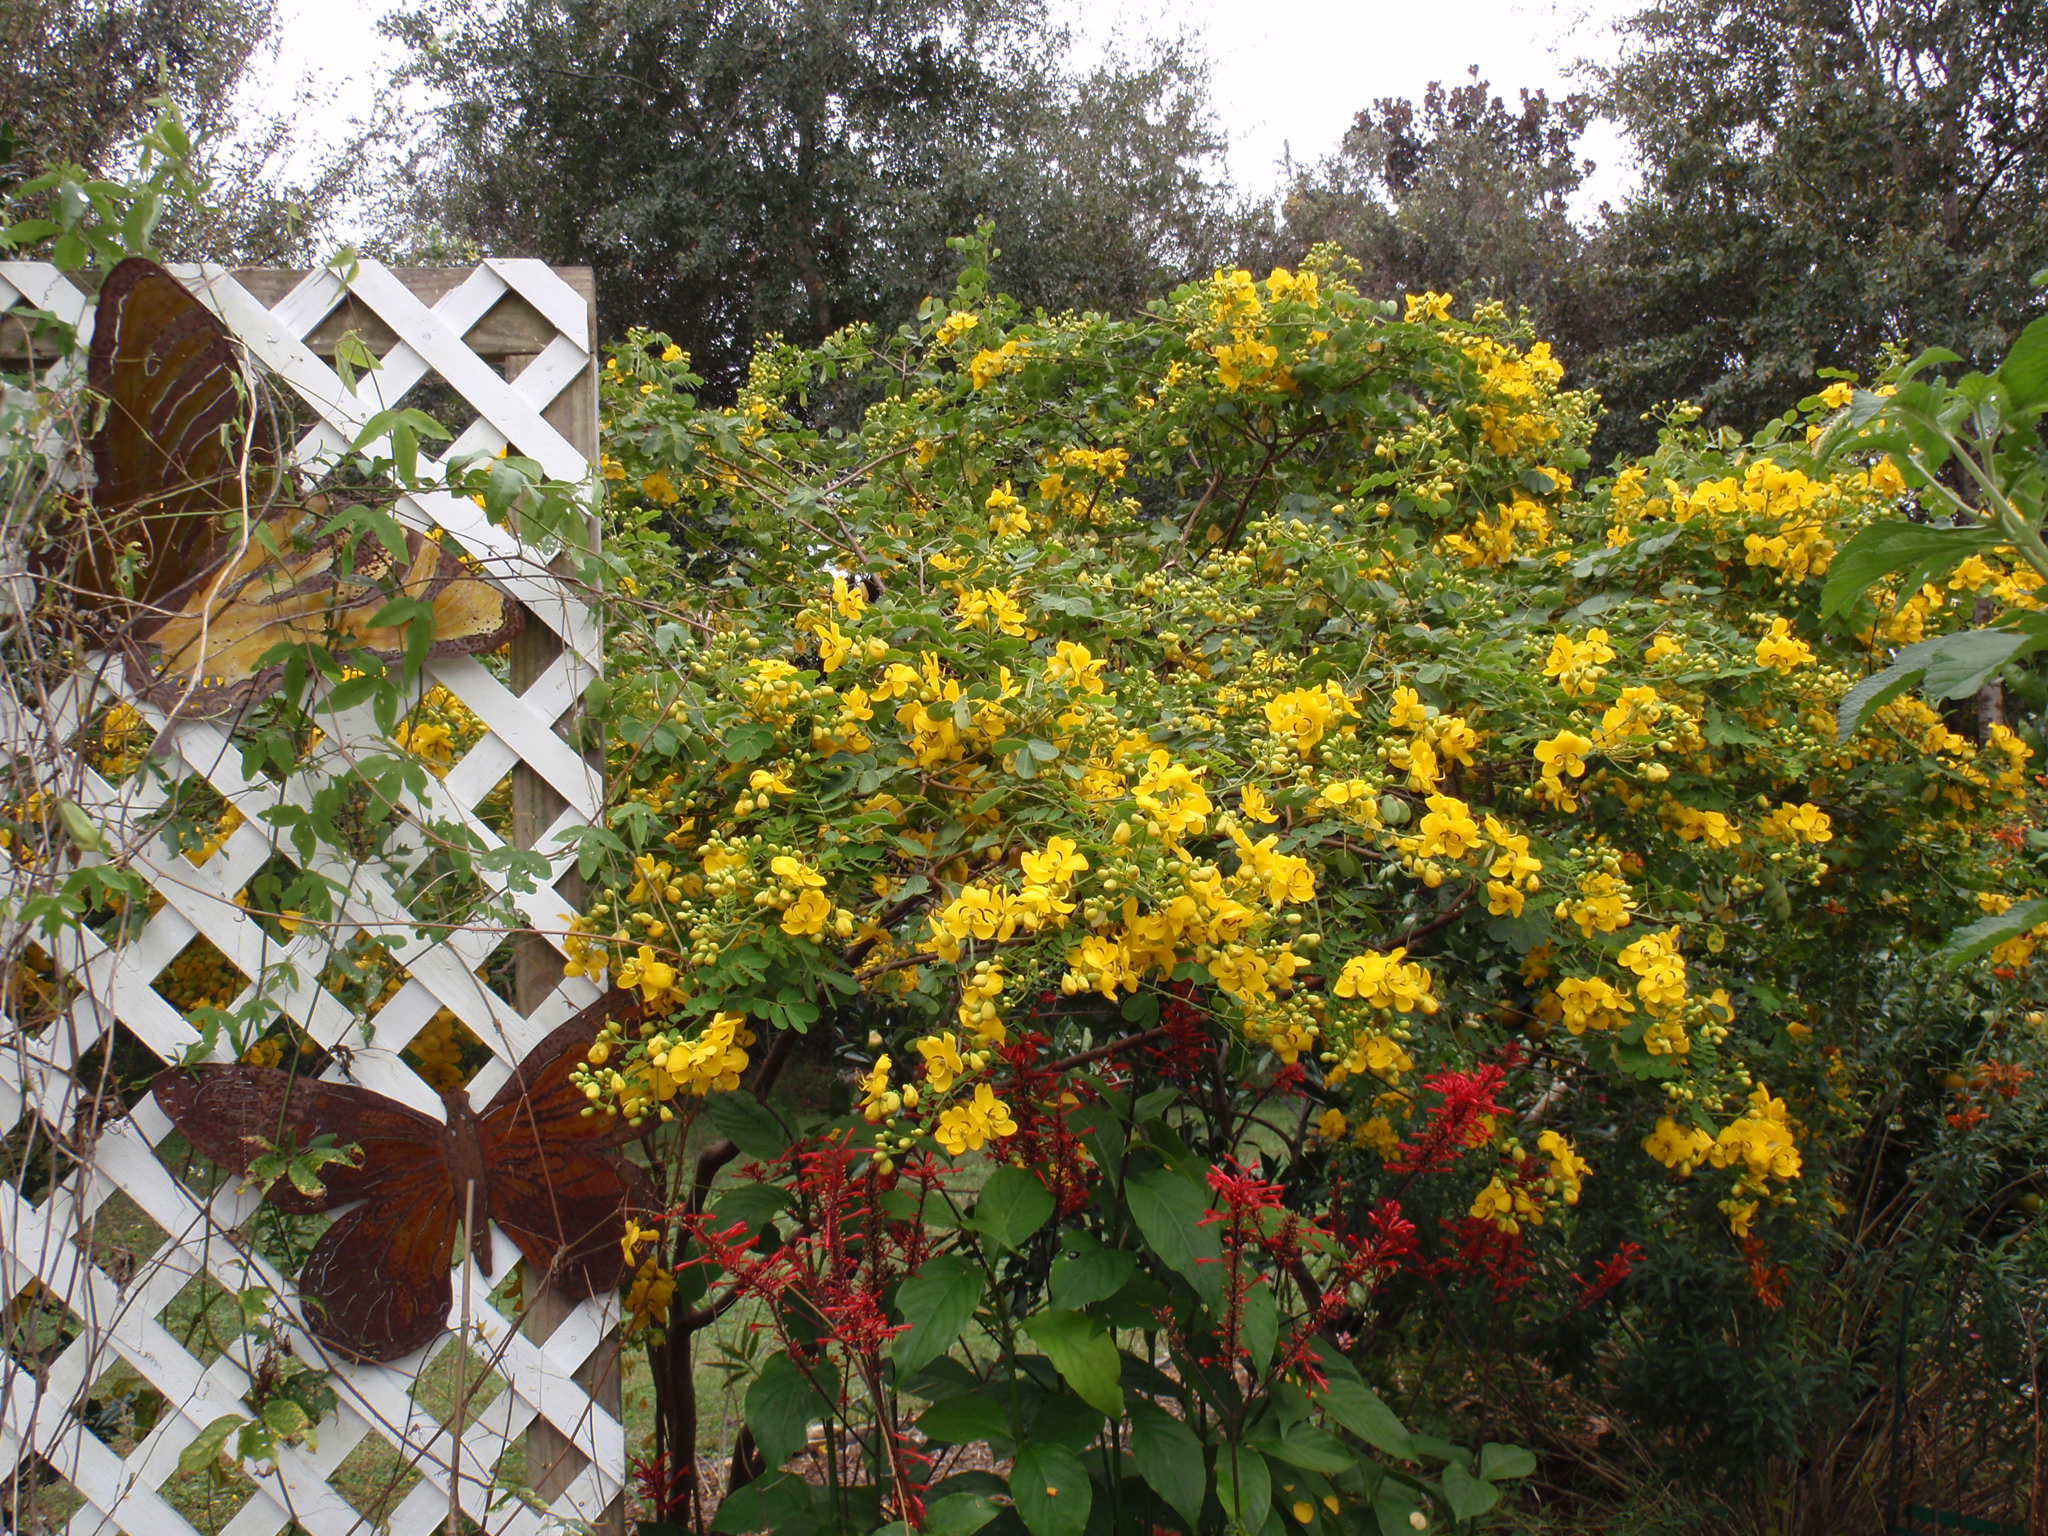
(189, 472)
(376, 1285)
(560, 1184)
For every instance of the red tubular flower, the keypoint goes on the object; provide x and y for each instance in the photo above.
(1461, 1119)
(1186, 1051)
(1042, 1106)
(1608, 1274)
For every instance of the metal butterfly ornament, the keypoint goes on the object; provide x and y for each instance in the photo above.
(376, 1285)
(201, 556)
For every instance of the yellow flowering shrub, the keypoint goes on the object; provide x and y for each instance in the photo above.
(1268, 682)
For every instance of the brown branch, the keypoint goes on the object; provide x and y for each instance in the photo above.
(1436, 924)
(1101, 1051)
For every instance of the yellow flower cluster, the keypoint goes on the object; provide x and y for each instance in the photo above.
(1578, 665)
(667, 1063)
(1508, 1206)
(1389, 981)
(1303, 716)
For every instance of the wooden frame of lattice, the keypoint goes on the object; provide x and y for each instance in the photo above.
(112, 1237)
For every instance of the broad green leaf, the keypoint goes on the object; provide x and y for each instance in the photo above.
(1261, 1326)
(1168, 1209)
(781, 1403)
(1883, 548)
(80, 827)
(1084, 1354)
(1311, 1449)
(747, 1123)
(2024, 373)
(967, 1418)
(1393, 1506)
(781, 1501)
(284, 1417)
(205, 1448)
(1469, 1496)
(1947, 667)
(1870, 695)
(1958, 665)
(1051, 1490)
(1359, 1409)
(1169, 1457)
(1088, 1272)
(1013, 1205)
(1244, 1485)
(1497, 1461)
(958, 1514)
(1973, 939)
(938, 1302)
(755, 1204)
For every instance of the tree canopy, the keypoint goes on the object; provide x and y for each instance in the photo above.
(1462, 193)
(1823, 178)
(77, 76)
(737, 171)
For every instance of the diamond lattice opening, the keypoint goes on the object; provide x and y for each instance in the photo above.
(33, 1159)
(35, 1499)
(446, 1053)
(121, 1238)
(116, 742)
(204, 1318)
(374, 1478)
(33, 991)
(37, 1327)
(200, 977)
(121, 1407)
(211, 1498)
(435, 1389)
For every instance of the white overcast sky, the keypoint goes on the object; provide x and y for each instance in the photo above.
(1287, 76)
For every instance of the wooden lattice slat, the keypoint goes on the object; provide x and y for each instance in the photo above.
(514, 340)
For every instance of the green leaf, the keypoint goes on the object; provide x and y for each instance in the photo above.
(1957, 665)
(755, 1204)
(1168, 1208)
(1082, 1351)
(1947, 667)
(781, 1403)
(1468, 1496)
(1051, 1490)
(286, 1418)
(939, 1302)
(1973, 939)
(965, 1419)
(1497, 1461)
(781, 1501)
(2024, 373)
(747, 1123)
(81, 828)
(1244, 1485)
(1261, 1326)
(1359, 1409)
(748, 741)
(1870, 695)
(958, 1514)
(1085, 1273)
(1169, 1458)
(205, 1449)
(1311, 1449)
(1013, 1205)
(1882, 548)
(1393, 1505)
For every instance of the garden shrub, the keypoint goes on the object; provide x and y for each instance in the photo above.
(1318, 901)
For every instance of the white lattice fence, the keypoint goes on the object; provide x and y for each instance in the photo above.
(115, 1246)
